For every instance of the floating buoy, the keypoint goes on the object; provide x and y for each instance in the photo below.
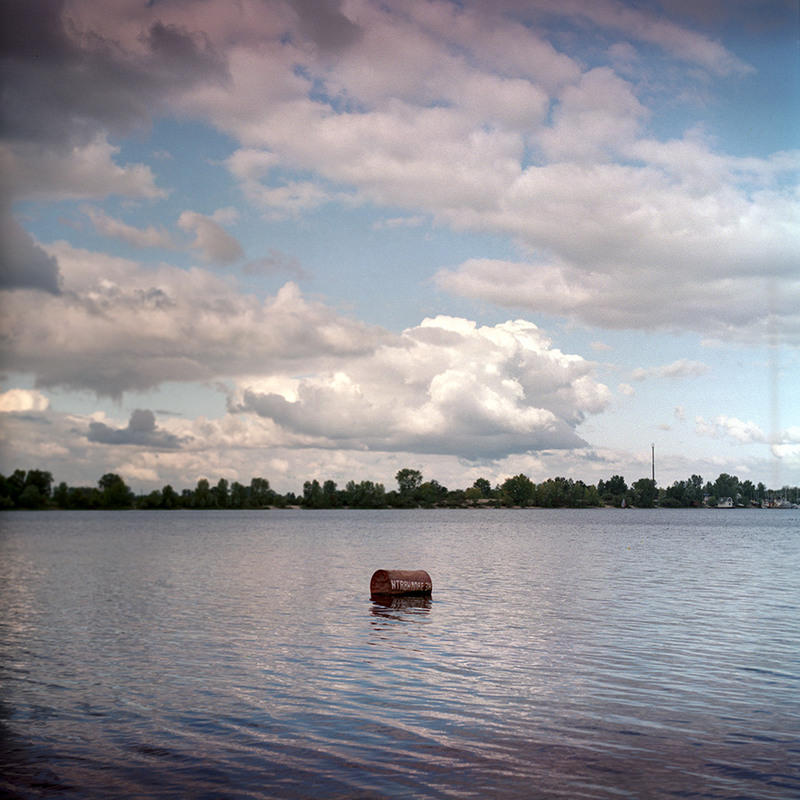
(387, 582)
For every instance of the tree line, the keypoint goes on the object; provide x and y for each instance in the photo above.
(36, 489)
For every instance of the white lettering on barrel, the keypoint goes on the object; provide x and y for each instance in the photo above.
(409, 586)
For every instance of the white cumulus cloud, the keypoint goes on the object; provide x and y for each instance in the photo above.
(725, 426)
(132, 329)
(20, 400)
(677, 370)
(447, 386)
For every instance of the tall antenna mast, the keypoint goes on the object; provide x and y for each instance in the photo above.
(653, 456)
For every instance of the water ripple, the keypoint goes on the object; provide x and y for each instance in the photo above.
(562, 655)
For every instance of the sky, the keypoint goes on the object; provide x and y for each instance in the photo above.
(331, 239)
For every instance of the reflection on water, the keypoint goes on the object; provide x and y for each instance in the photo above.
(388, 611)
(563, 655)
(411, 603)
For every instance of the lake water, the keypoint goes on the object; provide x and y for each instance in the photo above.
(563, 654)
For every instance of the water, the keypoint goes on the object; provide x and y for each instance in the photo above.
(564, 654)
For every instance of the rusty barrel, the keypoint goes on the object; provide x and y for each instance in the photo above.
(387, 582)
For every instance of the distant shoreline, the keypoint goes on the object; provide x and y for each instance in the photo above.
(294, 508)
(36, 490)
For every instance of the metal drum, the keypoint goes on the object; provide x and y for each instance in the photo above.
(393, 582)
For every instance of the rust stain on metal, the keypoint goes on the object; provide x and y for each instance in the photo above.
(399, 582)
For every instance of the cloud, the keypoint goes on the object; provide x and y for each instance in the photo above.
(281, 199)
(137, 237)
(325, 24)
(682, 368)
(543, 123)
(447, 386)
(238, 446)
(643, 25)
(86, 171)
(275, 263)
(211, 239)
(23, 263)
(22, 400)
(291, 199)
(724, 426)
(635, 297)
(787, 446)
(593, 118)
(466, 114)
(131, 329)
(64, 83)
(66, 90)
(473, 119)
(399, 222)
(677, 370)
(141, 431)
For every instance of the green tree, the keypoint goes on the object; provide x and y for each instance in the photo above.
(5, 493)
(748, 492)
(431, 493)
(61, 495)
(580, 495)
(330, 496)
(202, 494)
(222, 493)
(614, 490)
(114, 492)
(87, 497)
(645, 493)
(42, 480)
(15, 485)
(365, 494)
(457, 498)
(473, 495)
(675, 495)
(558, 492)
(483, 486)
(151, 501)
(694, 491)
(408, 481)
(684, 493)
(31, 498)
(726, 486)
(169, 497)
(312, 494)
(520, 489)
(260, 493)
(592, 497)
(239, 495)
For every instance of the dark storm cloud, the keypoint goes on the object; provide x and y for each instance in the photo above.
(141, 431)
(61, 86)
(23, 264)
(32, 30)
(323, 22)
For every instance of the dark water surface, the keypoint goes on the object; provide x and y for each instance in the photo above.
(589, 654)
